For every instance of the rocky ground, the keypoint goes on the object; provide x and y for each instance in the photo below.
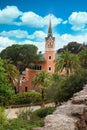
(72, 115)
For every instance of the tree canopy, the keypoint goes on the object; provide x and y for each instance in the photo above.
(12, 71)
(67, 61)
(83, 58)
(41, 81)
(21, 55)
(73, 47)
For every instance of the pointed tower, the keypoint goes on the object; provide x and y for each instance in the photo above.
(50, 50)
(50, 29)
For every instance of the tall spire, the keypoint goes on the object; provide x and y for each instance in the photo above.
(50, 28)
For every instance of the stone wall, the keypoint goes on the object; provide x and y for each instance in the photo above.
(72, 115)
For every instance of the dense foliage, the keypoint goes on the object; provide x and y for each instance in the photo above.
(21, 55)
(6, 91)
(27, 119)
(73, 47)
(12, 72)
(63, 88)
(67, 61)
(26, 98)
(44, 111)
(83, 58)
(3, 119)
(41, 80)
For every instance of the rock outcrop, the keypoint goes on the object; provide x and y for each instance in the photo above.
(72, 115)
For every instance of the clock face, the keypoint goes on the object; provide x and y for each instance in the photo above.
(50, 45)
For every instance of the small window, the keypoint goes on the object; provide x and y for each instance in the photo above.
(49, 68)
(26, 89)
(40, 67)
(49, 57)
(37, 67)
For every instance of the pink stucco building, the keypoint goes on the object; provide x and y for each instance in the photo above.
(48, 63)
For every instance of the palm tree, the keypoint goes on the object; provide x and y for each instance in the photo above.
(83, 58)
(67, 61)
(13, 73)
(41, 80)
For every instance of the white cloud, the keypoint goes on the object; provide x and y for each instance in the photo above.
(55, 20)
(38, 35)
(8, 14)
(12, 15)
(4, 42)
(62, 40)
(26, 42)
(40, 45)
(34, 20)
(65, 22)
(78, 20)
(31, 19)
(15, 33)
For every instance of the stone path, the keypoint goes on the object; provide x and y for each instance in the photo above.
(13, 112)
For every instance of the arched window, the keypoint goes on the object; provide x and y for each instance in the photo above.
(49, 69)
(49, 57)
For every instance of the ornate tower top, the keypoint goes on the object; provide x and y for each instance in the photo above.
(50, 31)
(50, 28)
(50, 40)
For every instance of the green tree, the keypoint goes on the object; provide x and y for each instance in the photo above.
(6, 91)
(67, 61)
(62, 88)
(83, 58)
(13, 73)
(3, 119)
(73, 47)
(21, 55)
(53, 88)
(41, 82)
(70, 85)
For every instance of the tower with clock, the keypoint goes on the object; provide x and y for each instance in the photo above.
(50, 50)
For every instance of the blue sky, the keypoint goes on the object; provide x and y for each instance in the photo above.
(26, 22)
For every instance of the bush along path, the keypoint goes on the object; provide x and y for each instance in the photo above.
(26, 119)
(13, 112)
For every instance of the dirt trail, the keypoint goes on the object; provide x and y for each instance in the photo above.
(13, 112)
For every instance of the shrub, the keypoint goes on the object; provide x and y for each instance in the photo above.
(44, 111)
(26, 121)
(25, 114)
(69, 86)
(63, 88)
(23, 122)
(3, 119)
(26, 98)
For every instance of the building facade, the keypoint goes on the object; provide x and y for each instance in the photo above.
(48, 64)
